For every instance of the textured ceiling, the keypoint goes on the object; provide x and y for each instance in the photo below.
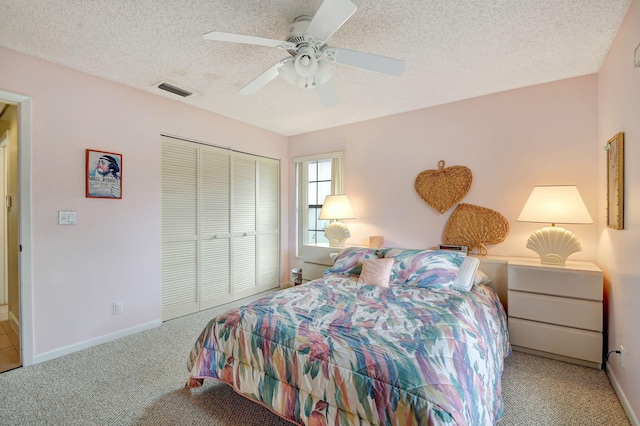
(453, 50)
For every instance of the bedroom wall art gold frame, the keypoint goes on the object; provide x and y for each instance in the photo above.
(615, 181)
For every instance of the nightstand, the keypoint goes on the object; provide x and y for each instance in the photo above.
(556, 311)
(316, 259)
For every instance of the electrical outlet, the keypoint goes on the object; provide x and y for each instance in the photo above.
(621, 349)
(117, 308)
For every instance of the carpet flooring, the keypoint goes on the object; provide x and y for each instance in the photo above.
(138, 380)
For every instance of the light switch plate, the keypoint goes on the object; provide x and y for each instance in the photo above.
(66, 217)
(636, 57)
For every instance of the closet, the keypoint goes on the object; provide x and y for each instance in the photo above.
(220, 226)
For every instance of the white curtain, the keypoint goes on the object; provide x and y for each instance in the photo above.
(337, 169)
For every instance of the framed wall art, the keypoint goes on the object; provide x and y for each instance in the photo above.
(103, 174)
(615, 181)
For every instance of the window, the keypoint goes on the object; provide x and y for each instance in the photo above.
(316, 177)
(318, 187)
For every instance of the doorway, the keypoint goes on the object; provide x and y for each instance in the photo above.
(9, 240)
(4, 142)
(18, 327)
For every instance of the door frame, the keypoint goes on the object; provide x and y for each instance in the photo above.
(4, 281)
(25, 265)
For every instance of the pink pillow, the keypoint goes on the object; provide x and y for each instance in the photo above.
(376, 272)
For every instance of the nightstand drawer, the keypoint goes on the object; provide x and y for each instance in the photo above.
(584, 314)
(311, 271)
(316, 259)
(570, 342)
(556, 281)
(319, 254)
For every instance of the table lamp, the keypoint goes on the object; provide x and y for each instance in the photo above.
(554, 204)
(336, 207)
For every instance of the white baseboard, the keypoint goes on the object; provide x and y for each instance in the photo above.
(94, 342)
(621, 396)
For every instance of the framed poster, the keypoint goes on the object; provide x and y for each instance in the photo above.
(615, 182)
(103, 174)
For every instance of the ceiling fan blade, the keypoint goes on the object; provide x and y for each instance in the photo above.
(260, 81)
(327, 94)
(368, 61)
(237, 38)
(330, 16)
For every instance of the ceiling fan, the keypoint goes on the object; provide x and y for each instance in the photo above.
(311, 61)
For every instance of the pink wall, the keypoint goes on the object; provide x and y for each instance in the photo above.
(114, 251)
(619, 111)
(511, 141)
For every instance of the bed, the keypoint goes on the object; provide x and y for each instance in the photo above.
(424, 349)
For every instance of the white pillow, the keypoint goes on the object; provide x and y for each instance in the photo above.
(466, 275)
(481, 278)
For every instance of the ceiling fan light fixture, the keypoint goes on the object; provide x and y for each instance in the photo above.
(306, 63)
(325, 72)
(288, 72)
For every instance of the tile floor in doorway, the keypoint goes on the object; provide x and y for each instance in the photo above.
(9, 342)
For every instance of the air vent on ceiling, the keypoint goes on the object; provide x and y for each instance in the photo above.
(173, 89)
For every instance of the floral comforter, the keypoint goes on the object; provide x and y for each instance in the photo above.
(337, 352)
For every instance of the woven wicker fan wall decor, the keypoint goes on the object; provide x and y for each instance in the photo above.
(475, 226)
(443, 188)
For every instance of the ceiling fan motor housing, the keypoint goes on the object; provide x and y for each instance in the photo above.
(297, 31)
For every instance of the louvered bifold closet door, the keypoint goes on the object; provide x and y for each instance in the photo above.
(179, 228)
(215, 227)
(268, 224)
(243, 224)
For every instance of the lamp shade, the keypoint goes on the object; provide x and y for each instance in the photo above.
(555, 204)
(336, 207)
